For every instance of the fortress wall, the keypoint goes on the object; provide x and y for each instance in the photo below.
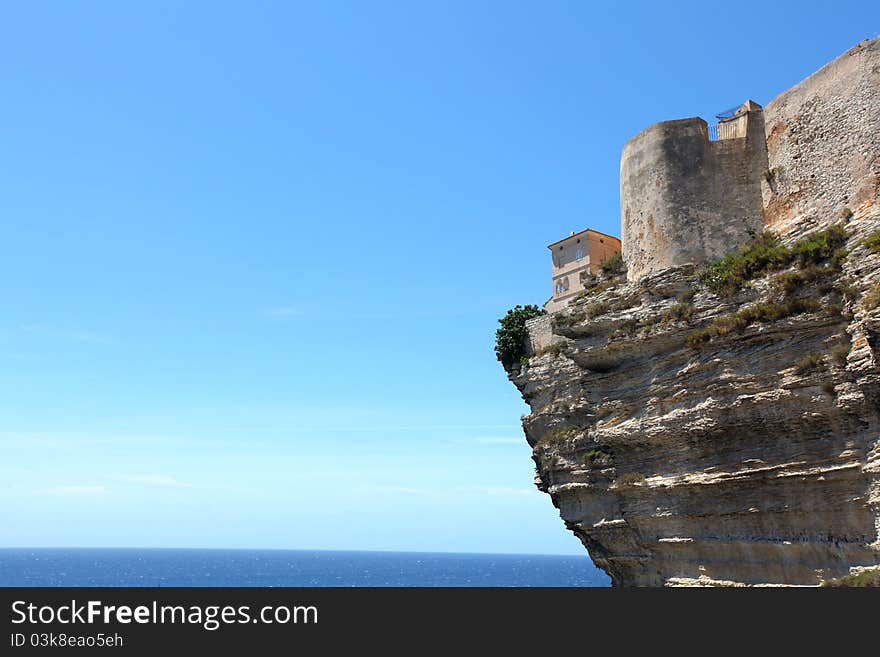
(685, 199)
(823, 142)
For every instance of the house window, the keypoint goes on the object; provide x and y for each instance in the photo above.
(579, 254)
(562, 285)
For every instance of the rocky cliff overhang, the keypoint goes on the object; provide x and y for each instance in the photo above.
(697, 433)
(750, 457)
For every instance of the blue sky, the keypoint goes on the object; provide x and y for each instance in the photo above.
(254, 253)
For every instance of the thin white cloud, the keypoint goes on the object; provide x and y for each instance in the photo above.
(67, 491)
(165, 481)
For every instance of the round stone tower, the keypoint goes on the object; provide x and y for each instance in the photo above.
(686, 198)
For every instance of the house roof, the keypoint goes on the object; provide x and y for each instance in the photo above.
(587, 230)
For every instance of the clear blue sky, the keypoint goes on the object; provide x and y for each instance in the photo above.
(254, 253)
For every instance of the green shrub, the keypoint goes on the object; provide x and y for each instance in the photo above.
(596, 309)
(792, 281)
(510, 339)
(726, 276)
(560, 435)
(847, 290)
(809, 364)
(872, 241)
(698, 337)
(825, 245)
(628, 327)
(679, 312)
(687, 296)
(592, 455)
(765, 253)
(865, 578)
(614, 264)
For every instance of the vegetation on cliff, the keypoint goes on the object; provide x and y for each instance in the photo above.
(725, 277)
(510, 339)
(866, 578)
(756, 313)
(614, 264)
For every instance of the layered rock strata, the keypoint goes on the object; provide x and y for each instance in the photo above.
(750, 457)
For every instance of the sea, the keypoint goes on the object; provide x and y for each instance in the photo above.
(196, 567)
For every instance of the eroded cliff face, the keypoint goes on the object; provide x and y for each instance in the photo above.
(737, 460)
(748, 454)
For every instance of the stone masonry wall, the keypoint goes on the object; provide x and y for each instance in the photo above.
(823, 143)
(541, 333)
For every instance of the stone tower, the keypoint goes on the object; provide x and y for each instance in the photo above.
(688, 196)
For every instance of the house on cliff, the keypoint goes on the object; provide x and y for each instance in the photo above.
(689, 193)
(575, 259)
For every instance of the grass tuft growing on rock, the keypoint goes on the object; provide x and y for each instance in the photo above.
(560, 435)
(872, 298)
(726, 277)
(614, 264)
(757, 313)
(790, 282)
(840, 351)
(809, 364)
(872, 241)
(591, 455)
(679, 312)
(865, 578)
(630, 479)
(596, 309)
(687, 296)
(825, 245)
(593, 290)
(847, 290)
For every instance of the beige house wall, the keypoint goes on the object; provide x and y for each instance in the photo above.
(574, 259)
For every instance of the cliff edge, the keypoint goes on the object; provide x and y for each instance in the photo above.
(720, 424)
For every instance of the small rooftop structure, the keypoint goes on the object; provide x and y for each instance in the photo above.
(575, 259)
(733, 123)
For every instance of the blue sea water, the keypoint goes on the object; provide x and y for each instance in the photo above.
(177, 567)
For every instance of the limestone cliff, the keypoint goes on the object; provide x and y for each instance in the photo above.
(691, 432)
